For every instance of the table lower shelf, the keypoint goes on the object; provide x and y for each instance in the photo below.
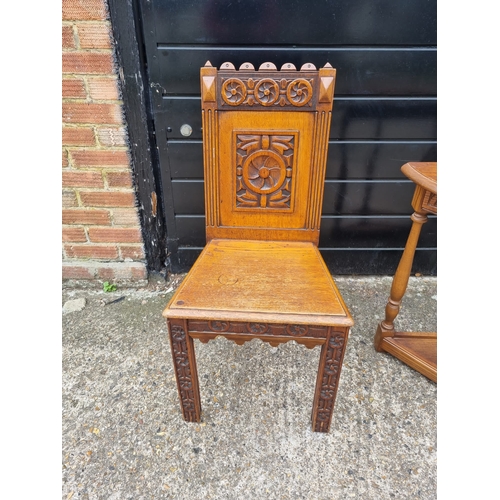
(417, 350)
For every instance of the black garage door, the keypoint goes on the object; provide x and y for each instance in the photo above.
(384, 112)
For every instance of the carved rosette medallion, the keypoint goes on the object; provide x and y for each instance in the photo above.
(218, 326)
(266, 92)
(264, 166)
(329, 382)
(264, 171)
(297, 330)
(234, 91)
(299, 92)
(183, 372)
(257, 327)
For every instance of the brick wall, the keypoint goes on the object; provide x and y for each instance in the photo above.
(101, 231)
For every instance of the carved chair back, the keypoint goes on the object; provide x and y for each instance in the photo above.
(265, 138)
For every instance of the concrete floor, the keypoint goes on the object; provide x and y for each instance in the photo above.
(124, 437)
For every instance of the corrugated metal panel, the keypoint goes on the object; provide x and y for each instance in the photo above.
(384, 111)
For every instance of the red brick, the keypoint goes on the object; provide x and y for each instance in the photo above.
(69, 199)
(114, 235)
(86, 216)
(81, 269)
(139, 273)
(68, 38)
(125, 270)
(87, 62)
(85, 10)
(76, 272)
(119, 179)
(83, 112)
(103, 89)
(73, 234)
(125, 217)
(78, 136)
(132, 252)
(91, 251)
(106, 273)
(101, 158)
(112, 136)
(65, 162)
(82, 179)
(94, 36)
(107, 199)
(73, 88)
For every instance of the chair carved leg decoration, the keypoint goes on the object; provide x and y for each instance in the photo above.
(260, 275)
(182, 347)
(332, 355)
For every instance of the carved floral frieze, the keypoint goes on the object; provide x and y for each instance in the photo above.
(267, 92)
(287, 330)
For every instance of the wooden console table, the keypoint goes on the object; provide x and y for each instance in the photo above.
(418, 350)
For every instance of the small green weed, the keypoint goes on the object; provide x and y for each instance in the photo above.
(108, 287)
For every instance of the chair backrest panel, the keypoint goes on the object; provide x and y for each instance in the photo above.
(265, 137)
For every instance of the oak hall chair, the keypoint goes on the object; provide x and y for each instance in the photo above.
(260, 275)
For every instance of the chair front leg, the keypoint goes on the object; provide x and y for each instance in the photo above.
(330, 365)
(185, 370)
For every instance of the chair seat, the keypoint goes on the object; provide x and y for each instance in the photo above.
(260, 281)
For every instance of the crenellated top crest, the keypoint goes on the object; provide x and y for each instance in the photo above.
(284, 89)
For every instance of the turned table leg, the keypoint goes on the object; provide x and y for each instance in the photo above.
(185, 370)
(330, 364)
(400, 280)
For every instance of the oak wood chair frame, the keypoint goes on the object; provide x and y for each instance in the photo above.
(260, 275)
